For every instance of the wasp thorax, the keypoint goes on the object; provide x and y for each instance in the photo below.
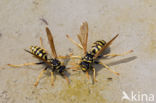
(55, 62)
(85, 66)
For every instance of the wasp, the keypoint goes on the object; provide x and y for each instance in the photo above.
(90, 57)
(51, 63)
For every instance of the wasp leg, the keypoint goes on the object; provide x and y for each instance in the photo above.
(25, 64)
(125, 53)
(66, 79)
(52, 78)
(65, 57)
(107, 67)
(75, 57)
(75, 68)
(41, 44)
(40, 75)
(62, 74)
(74, 42)
(94, 75)
(71, 57)
(87, 75)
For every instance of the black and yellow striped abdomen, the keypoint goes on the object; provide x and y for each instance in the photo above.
(39, 52)
(97, 46)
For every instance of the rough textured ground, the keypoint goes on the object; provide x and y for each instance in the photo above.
(22, 22)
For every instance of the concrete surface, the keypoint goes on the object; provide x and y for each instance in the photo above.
(22, 22)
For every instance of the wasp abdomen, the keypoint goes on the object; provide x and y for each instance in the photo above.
(39, 52)
(97, 46)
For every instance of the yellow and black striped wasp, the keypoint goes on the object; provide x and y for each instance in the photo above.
(90, 57)
(51, 63)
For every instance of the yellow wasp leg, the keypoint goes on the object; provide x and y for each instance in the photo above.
(20, 65)
(74, 42)
(75, 68)
(94, 75)
(109, 68)
(87, 74)
(41, 43)
(52, 78)
(66, 79)
(76, 64)
(65, 57)
(71, 57)
(40, 75)
(123, 54)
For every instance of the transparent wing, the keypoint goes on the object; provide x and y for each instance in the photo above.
(108, 44)
(83, 36)
(51, 42)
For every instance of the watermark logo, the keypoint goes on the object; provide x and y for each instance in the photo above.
(137, 96)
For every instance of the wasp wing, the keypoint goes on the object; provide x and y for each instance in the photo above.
(104, 47)
(83, 36)
(51, 42)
